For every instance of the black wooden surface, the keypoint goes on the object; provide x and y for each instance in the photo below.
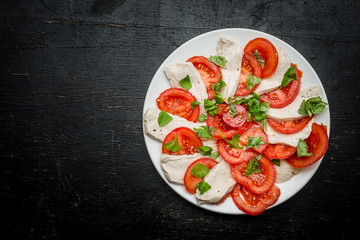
(74, 75)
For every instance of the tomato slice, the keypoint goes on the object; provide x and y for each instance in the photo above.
(235, 121)
(255, 131)
(289, 127)
(209, 72)
(218, 122)
(254, 204)
(234, 155)
(187, 139)
(258, 182)
(282, 97)
(249, 65)
(178, 102)
(279, 151)
(190, 180)
(317, 143)
(267, 52)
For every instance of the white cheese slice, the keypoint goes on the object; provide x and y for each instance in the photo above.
(285, 171)
(290, 111)
(231, 78)
(276, 137)
(178, 71)
(221, 181)
(153, 130)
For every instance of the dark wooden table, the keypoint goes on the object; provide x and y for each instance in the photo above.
(74, 75)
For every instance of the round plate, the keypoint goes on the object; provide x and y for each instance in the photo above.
(205, 45)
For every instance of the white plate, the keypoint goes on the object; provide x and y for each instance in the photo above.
(205, 45)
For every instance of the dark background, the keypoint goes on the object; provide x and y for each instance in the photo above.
(74, 75)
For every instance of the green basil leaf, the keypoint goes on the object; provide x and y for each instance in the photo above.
(253, 166)
(203, 187)
(264, 125)
(219, 85)
(248, 116)
(186, 83)
(218, 60)
(311, 106)
(194, 104)
(210, 107)
(264, 106)
(276, 162)
(204, 150)
(164, 118)
(255, 95)
(255, 142)
(252, 81)
(235, 140)
(241, 100)
(173, 145)
(257, 56)
(203, 132)
(202, 118)
(302, 149)
(233, 109)
(199, 170)
(302, 109)
(214, 155)
(218, 98)
(289, 76)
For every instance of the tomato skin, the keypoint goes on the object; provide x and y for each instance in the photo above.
(317, 143)
(279, 151)
(289, 127)
(187, 139)
(249, 65)
(282, 97)
(258, 182)
(234, 155)
(268, 53)
(254, 204)
(190, 180)
(255, 131)
(178, 102)
(238, 120)
(209, 72)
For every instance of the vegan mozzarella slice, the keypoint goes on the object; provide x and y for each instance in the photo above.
(221, 181)
(178, 71)
(285, 171)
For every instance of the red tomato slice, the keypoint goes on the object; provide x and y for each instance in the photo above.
(234, 155)
(209, 72)
(288, 127)
(238, 120)
(255, 131)
(254, 204)
(267, 52)
(258, 182)
(279, 151)
(282, 97)
(249, 65)
(187, 139)
(317, 143)
(218, 122)
(190, 180)
(178, 102)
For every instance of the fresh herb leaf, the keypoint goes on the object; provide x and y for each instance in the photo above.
(199, 170)
(214, 155)
(218, 60)
(264, 106)
(202, 118)
(210, 107)
(204, 132)
(203, 187)
(235, 140)
(302, 149)
(253, 166)
(164, 118)
(252, 81)
(255, 95)
(194, 104)
(257, 56)
(248, 116)
(186, 83)
(219, 85)
(289, 75)
(233, 109)
(256, 108)
(264, 125)
(218, 98)
(276, 162)
(311, 106)
(204, 150)
(302, 109)
(255, 142)
(241, 100)
(173, 145)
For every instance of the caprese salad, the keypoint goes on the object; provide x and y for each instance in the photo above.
(236, 123)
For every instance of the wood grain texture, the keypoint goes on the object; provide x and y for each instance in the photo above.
(74, 75)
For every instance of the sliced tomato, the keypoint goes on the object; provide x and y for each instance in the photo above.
(234, 155)
(249, 65)
(218, 122)
(254, 204)
(267, 52)
(282, 97)
(178, 102)
(209, 72)
(317, 143)
(187, 139)
(190, 180)
(235, 121)
(290, 126)
(279, 151)
(258, 182)
(255, 131)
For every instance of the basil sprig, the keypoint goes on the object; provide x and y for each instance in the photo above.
(235, 140)
(257, 56)
(186, 83)
(255, 142)
(218, 85)
(302, 149)
(311, 106)
(252, 81)
(205, 132)
(289, 76)
(276, 162)
(164, 118)
(194, 104)
(257, 108)
(199, 170)
(203, 187)
(202, 118)
(218, 60)
(173, 145)
(210, 107)
(204, 150)
(253, 166)
(214, 155)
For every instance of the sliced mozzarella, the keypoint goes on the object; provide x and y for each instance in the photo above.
(178, 71)
(221, 181)
(273, 82)
(231, 78)
(153, 130)
(285, 171)
(276, 137)
(290, 111)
